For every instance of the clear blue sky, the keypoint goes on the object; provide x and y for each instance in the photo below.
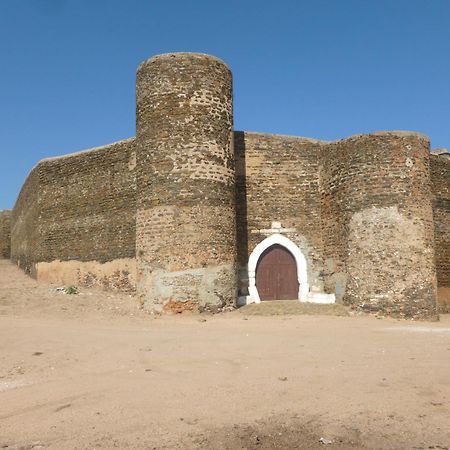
(317, 68)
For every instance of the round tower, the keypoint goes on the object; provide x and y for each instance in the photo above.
(381, 223)
(185, 224)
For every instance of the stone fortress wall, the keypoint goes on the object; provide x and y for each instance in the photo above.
(378, 222)
(186, 230)
(176, 212)
(74, 219)
(360, 209)
(440, 177)
(5, 234)
(25, 225)
(278, 181)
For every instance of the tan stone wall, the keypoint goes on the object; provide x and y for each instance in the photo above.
(278, 181)
(5, 234)
(118, 274)
(186, 236)
(87, 205)
(75, 214)
(25, 231)
(358, 209)
(378, 225)
(165, 211)
(440, 176)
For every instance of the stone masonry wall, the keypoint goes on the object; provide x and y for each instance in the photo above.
(25, 225)
(178, 210)
(378, 226)
(78, 212)
(5, 234)
(440, 176)
(186, 237)
(278, 181)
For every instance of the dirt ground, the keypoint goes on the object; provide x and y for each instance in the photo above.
(93, 371)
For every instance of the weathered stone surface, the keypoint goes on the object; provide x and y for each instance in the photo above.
(186, 232)
(378, 225)
(440, 177)
(79, 208)
(25, 225)
(87, 204)
(118, 274)
(278, 181)
(5, 233)
(178, 210)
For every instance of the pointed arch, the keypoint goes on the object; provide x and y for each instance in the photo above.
(302, 272)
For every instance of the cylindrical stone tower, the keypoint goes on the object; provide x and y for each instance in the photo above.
(381, 217)
(185, 224)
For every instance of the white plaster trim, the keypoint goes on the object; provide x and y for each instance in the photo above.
(302, 273)
(319, 297)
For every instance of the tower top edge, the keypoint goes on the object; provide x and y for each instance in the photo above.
(183, 55)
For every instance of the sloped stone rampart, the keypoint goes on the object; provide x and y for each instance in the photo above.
(5, 234)
(25, 225)
(87, 205)
(79, 208)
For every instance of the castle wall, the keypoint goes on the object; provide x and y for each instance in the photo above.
(440, 177)
(5, 234)
(177, 211)
(378, 226)
(278, 181)
(25, 225)
(74, 221)
(186, 236)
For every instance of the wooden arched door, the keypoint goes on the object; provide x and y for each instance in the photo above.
(276, 275)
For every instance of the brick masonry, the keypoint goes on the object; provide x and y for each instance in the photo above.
(175, 212)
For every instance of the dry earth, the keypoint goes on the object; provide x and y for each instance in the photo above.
(92, 371)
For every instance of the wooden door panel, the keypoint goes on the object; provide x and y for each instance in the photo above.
(287, 284)
(265, 282)
(276, 275)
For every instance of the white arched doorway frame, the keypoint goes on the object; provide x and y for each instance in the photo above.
(302, 272)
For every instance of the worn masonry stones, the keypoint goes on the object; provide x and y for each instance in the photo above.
(440, 177)
(186, 237)
(5, 234)
(177, 212)
(378, 222)
(75, 214)
(278, 180)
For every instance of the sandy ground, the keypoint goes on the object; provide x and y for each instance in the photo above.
(92, 371)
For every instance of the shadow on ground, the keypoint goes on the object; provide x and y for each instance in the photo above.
(277, 432)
